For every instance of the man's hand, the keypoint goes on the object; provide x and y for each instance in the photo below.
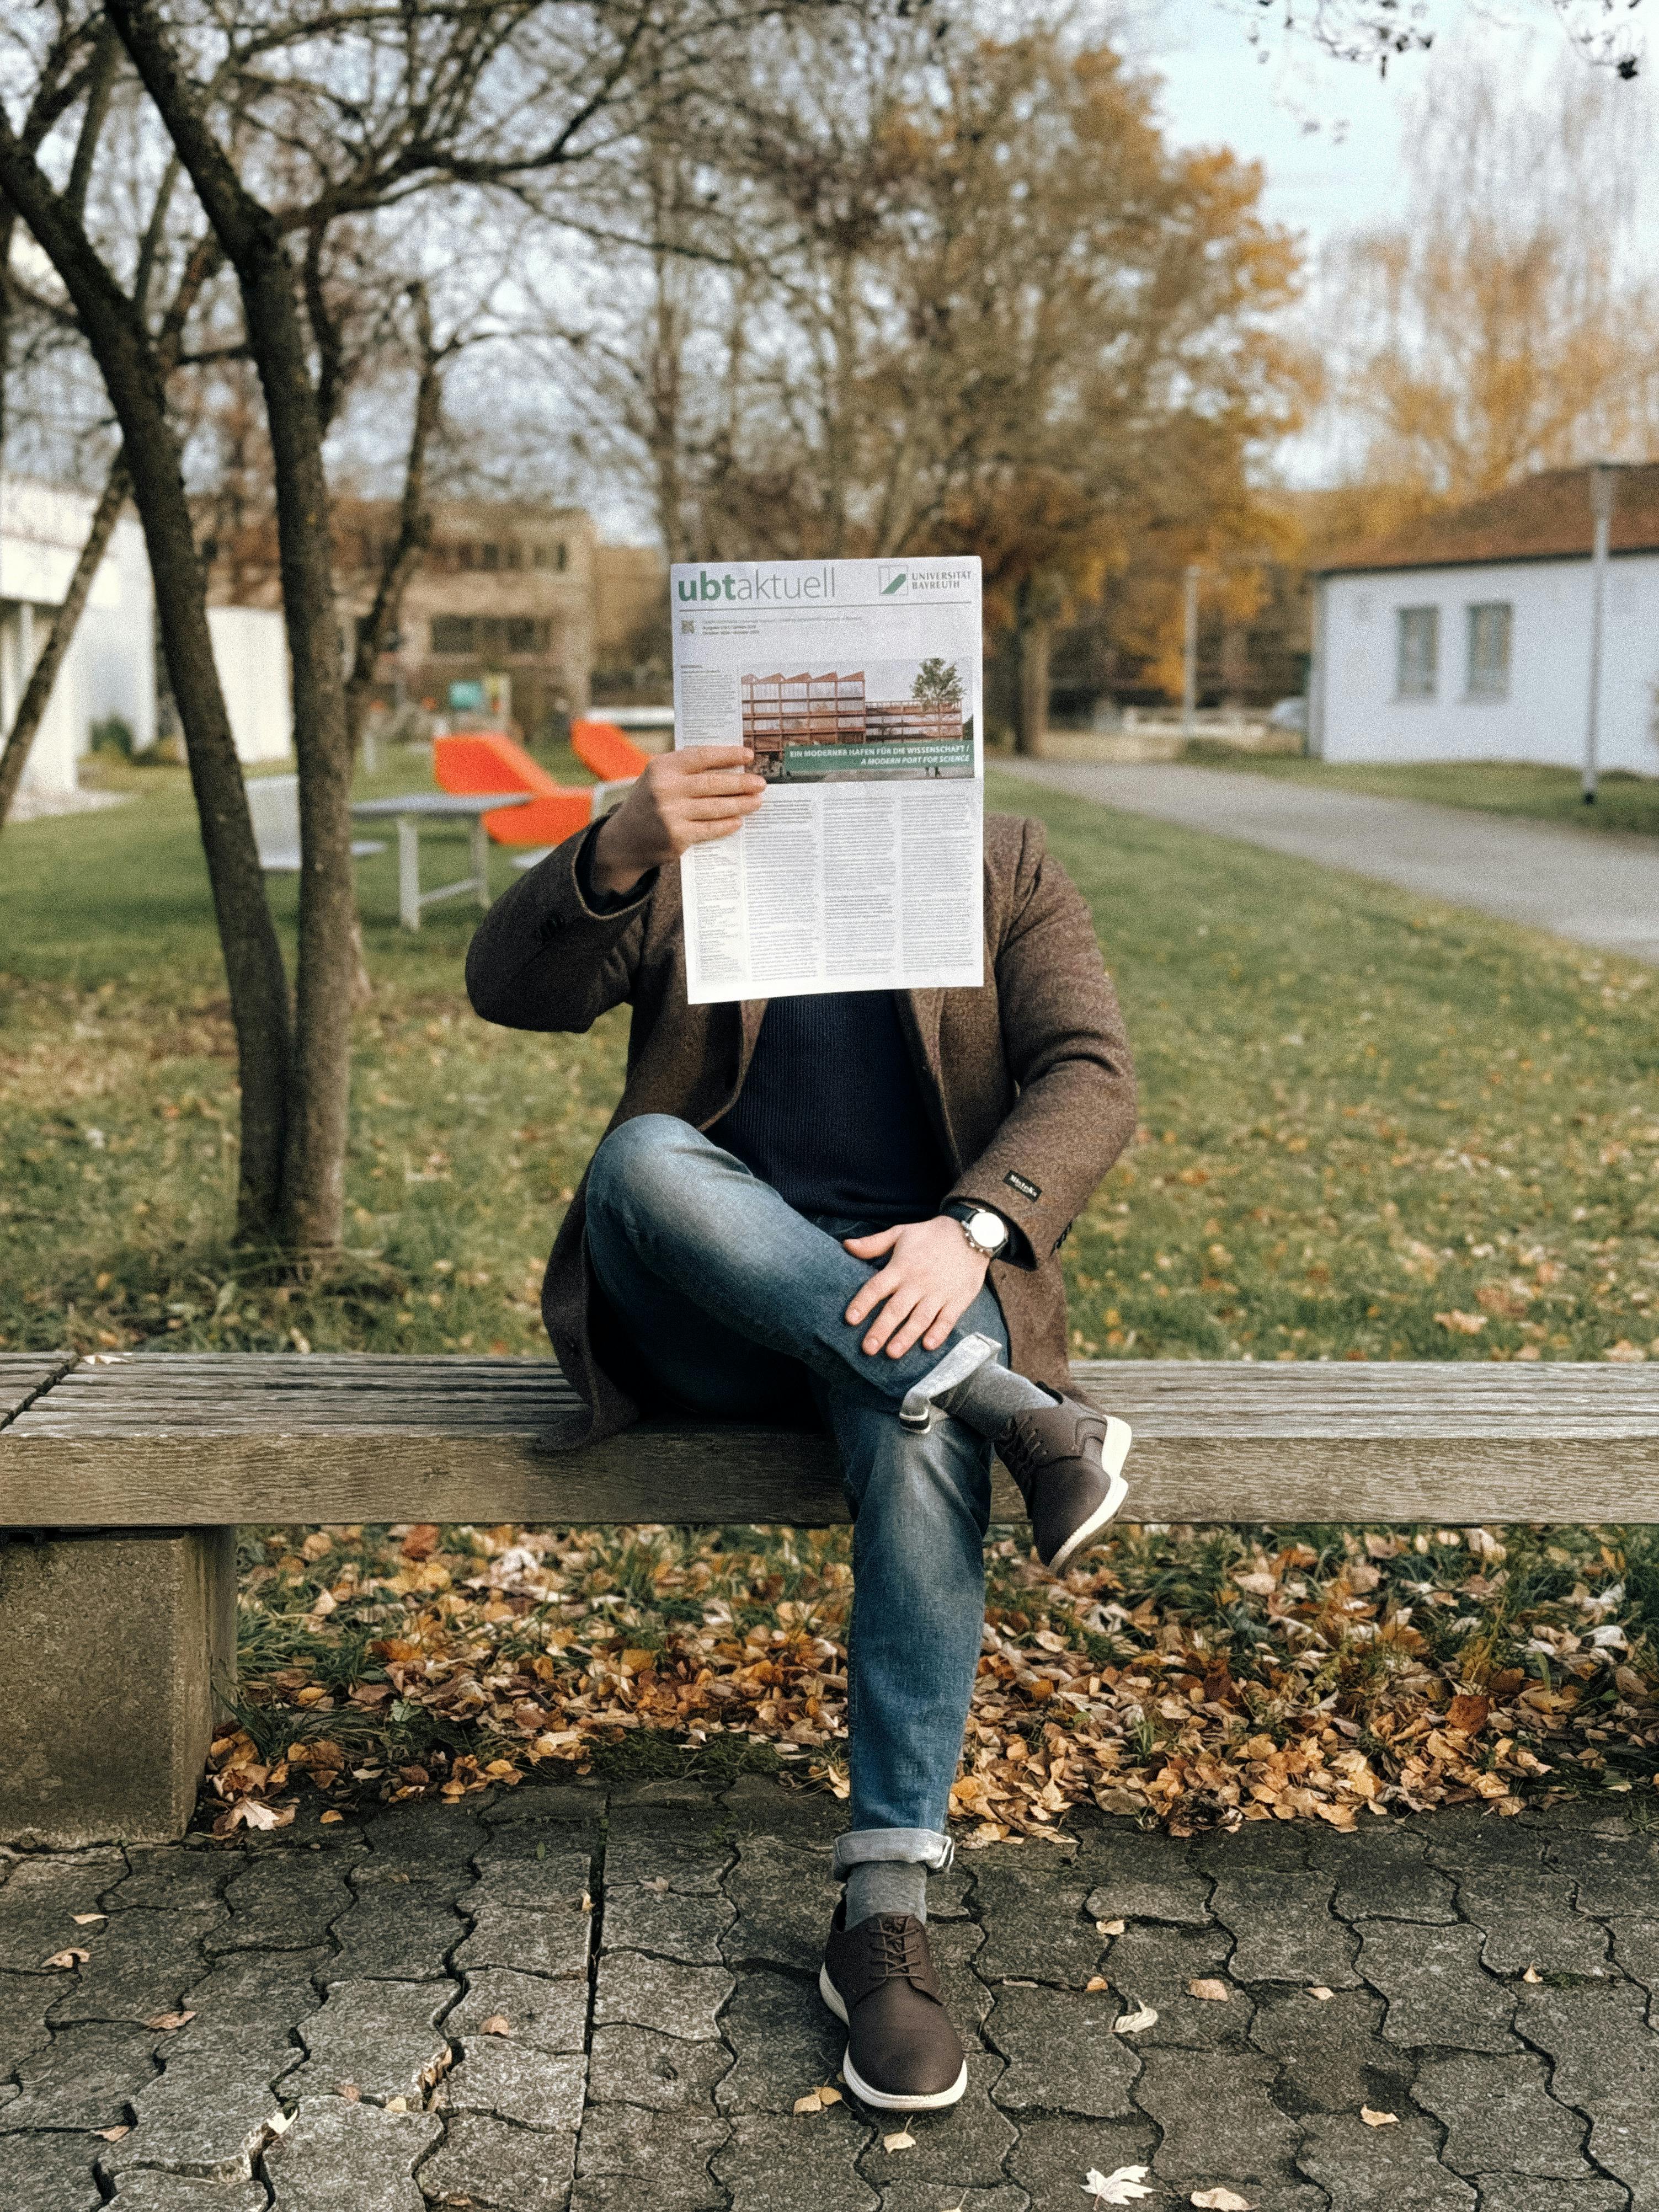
(683, 798)
(932, 1277)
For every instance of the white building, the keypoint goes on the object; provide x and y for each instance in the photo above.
(110, 668)
(1468, 636)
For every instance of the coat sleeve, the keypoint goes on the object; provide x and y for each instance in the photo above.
(543, 957)
(1067, 1052)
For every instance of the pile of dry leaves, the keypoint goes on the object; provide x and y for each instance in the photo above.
(1201, 1677)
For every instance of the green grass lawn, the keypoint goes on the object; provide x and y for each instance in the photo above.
(1624, 802)
(1372, 1127)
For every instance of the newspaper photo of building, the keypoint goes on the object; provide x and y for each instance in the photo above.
(828, 727)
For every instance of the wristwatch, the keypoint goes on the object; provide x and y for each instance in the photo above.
(988, 1232)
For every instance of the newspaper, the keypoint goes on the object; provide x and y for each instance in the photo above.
(857, 684)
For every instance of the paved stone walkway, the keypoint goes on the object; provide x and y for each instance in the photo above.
(1595, 888)
(655, 1956)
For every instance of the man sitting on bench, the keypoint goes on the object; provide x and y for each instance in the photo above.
(794, 1213)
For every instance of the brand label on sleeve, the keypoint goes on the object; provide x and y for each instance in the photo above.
(1026, 1189)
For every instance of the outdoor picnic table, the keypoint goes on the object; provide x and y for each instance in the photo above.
(408, 809)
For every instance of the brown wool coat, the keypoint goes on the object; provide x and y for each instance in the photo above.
(1029, 1077)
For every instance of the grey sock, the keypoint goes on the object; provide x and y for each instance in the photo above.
(886, 1885)
(992, 1396)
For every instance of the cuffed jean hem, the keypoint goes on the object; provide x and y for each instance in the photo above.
(916, 1846)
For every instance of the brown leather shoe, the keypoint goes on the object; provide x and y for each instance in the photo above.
(903, 2054)
(1067, 1459)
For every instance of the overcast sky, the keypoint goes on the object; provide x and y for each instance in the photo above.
(1327, 132)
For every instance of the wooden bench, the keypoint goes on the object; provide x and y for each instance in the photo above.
(140, 1465)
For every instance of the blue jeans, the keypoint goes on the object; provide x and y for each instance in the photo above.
(732, 1304)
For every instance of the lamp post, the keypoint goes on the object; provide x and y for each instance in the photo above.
(1603, 490)
(1189, 654)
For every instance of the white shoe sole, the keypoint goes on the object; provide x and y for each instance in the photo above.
(1113, 1453)
(880, 2099)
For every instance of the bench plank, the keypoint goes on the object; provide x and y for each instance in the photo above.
(25, 1375)
(204, 1439)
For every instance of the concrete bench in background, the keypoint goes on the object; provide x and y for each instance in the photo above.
(118, 1630)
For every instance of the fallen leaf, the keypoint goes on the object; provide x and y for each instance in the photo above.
(167, 2022)
(351, 2092)
(1532, 1974)
(111, 2135)
(1318, 1989)
(1219, 2200)
(659, 1885)
(812, 2102)
(1131, 2023)
(1468, 1714)
(1462, 1324)
(900, 2141)
(67, 1958)
(828, 2096)
(328, 1818)
(1212, 1992)
(397, 2104)
(587, 1902)
(86, 1919)
(280, 2123)
(1123, 2187)
(1095, 1982)
(420, 1543)
(1378, 2119)
(1109, 1927)
(497, 2024)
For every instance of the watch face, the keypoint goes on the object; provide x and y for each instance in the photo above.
(987, 1229)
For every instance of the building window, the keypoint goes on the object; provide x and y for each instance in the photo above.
(1489, 651)
(560, 554)
(1417, 653)
(481, 636)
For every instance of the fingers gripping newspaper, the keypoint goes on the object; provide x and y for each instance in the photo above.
(857, 685)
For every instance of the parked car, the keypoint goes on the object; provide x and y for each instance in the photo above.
(1289, 715)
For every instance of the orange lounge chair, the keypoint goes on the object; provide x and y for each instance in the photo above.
(485, 761)
(608, 751)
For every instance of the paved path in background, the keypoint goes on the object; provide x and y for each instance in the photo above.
(1594, 887)
(552, 1998)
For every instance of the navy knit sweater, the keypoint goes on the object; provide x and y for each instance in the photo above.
(831, 1114)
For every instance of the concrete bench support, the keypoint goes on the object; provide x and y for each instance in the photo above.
(115, 1647)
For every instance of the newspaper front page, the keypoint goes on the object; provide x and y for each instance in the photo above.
(857, 685)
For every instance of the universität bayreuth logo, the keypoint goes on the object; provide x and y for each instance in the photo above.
(894, 580)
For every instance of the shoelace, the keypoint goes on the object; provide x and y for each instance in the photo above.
(897, 1949)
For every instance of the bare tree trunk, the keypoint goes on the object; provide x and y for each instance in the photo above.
(403, 555)
(314, 1181)
(32, 708)
(133, 378)
(1033, 634)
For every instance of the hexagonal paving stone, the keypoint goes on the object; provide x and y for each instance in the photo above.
(1062, 2053)
(397, 1933)
(1139, 1877)
(171, 1878)
(673, 1923)
(146, 2190)
(85, 2077)
(380, 2036)
(641, 1991)
(1383, 1871)
(49, 2173)
(1636, 1951)
(1030, 1903)
(340, 2157)
(142, 1963)
(1052, 2156)
(787, 2040)
(1153, 1965)
(1361, 2168)
(1437, 1990)
(207, 2114)
(1283, 1929)
(1512, 2192)
(553, 1944)
(485, 2163)
(511, 1877)
(772, 2165)
(964, 2145)
(283, 1901)
(546, 2015)
(1221, 2127)
(1615, 1866)
(532, 2088)
(942, 2197)
(786, 1899)
(24, 2001)
(41, 1898)
(431, 1843)
(628, 2159)
(256, 1986)
(688, 1846)
(638, 2066)
(1331, 2055)
(1500, 2117)
(1607, 2065)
